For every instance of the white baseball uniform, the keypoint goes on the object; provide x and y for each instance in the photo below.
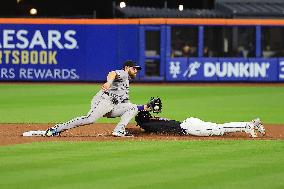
(197, 127)
(112, 103)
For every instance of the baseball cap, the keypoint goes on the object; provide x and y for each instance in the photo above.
(131, 63)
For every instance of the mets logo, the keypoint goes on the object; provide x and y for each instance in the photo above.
(191, 69)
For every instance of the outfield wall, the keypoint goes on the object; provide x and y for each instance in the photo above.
(86, 49)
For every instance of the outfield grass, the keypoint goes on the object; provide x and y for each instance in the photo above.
(43, 103)
(143, 164)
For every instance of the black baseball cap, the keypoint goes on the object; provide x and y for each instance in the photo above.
(131, 63)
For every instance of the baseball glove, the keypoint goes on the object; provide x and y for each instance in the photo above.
(155, 104)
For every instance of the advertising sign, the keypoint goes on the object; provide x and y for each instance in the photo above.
(62, 52)
(223, 69)
(41, 52)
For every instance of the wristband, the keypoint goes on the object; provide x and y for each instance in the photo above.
(140, 107)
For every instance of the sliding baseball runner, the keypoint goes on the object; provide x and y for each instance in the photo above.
(195, 126)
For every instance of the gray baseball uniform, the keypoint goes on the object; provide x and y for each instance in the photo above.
(112, 103)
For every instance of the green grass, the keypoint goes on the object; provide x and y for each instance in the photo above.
(144, 164)
(44, 103)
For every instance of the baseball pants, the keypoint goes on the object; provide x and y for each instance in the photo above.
(197, 127)
(101, 105)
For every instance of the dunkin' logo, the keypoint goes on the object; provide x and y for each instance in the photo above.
(237, 69)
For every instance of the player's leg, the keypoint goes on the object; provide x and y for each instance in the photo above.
(248, 127)
(197, 127)
(100, 105)
(126, 111)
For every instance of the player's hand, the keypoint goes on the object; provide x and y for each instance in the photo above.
(105, 86)
(155, 104)
(147, 108)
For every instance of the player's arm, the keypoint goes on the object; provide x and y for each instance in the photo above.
(110, 78)
(144, 107)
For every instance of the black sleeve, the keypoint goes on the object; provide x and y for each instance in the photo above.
(158, 125)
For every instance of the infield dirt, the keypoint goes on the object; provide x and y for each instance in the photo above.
(11, 134)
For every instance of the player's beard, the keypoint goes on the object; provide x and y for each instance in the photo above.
(132, 75)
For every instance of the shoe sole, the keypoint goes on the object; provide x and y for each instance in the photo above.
(261, 131)
(258, 126)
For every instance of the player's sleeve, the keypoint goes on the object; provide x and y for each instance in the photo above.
(121, 75)
(118, 74)
(111, 75)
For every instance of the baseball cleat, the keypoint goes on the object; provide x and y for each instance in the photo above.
(51, 132)
(258, 126)
(250, 129)
(121, 134)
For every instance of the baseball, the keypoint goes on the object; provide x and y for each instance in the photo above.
(156, 107)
